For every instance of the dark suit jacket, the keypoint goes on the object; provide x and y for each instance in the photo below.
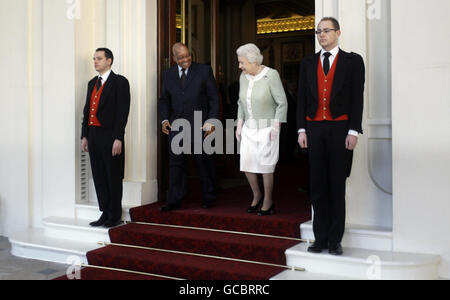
(114, 106)
(347, 96)
(199, 94)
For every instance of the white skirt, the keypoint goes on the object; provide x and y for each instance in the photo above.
(259, 154)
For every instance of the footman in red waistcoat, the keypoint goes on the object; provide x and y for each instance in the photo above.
(329, 117)
(105, 117)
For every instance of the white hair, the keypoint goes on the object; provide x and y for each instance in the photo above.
(251, 52)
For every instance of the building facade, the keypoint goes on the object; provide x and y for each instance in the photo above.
(400, 187)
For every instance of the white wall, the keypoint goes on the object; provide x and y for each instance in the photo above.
(14, 112)
(46, 59)
(421, 127)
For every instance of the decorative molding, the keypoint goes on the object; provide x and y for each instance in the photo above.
(297, 23)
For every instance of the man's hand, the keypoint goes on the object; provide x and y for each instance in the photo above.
(84, 145)
(208, 128)
(351, 142)
(117, 148)
(166, 127)
(303, 140)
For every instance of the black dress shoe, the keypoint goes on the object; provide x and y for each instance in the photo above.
(263, 213)
(317, 247)
(169, 207)
(207, 205)
(335, 249)
(112, 223)
(103, 219)
(255, 209)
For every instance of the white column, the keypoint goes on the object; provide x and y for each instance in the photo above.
(59, 140)
(421, 127)
(14, 117)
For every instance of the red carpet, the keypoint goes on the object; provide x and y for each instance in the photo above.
(229, 213)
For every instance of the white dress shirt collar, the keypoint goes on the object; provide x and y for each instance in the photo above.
(105, 76)
(334, 52)
(180, 71)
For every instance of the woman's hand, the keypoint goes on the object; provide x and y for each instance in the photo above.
(240, 124)
(275, 131)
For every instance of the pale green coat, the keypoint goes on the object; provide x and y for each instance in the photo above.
(268, 100)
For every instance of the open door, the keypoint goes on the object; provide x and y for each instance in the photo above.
(194, 23)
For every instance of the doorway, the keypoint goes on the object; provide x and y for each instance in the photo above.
(213, 30)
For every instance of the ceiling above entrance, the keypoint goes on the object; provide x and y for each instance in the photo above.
(282, 9)
(284, 15)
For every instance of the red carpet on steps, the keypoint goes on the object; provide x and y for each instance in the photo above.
(229, 213)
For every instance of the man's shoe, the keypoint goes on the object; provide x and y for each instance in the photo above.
(317, 247)
(207, 205)
(335, 249)
(169, 207)
(103, 219)
(111, 223)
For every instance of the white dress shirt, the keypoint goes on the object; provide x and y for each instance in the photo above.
(334, 52)
(180, 71)
(105, 76)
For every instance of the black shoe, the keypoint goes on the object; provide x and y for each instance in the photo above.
(169, 207)
(103, 219)
(263, 213)
(112, 223)
(335, 249)
(255, 209)
(207, 205)
(317, 247)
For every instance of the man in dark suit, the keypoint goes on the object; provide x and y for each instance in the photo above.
(103, 130)
(329, 116)
(188, 88)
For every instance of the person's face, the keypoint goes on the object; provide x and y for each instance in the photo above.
(246, 66)
(183, 58)
(101, 63)
(328, 37)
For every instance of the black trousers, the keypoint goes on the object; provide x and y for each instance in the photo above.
(330, 164)
(107, 171)
(178, 179)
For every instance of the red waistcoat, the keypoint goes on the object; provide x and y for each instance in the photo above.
(95, 99)
(325, 85)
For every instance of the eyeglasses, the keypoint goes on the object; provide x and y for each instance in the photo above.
(319, 32)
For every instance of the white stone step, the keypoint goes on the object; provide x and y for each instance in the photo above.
(366, 264)
(74, 229)
(295, 275)
(90, 211)
(358, 236)
(35, 244)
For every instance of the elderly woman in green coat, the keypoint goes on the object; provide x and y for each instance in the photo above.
(262, 108)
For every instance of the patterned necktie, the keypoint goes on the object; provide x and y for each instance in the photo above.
(326, 63)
